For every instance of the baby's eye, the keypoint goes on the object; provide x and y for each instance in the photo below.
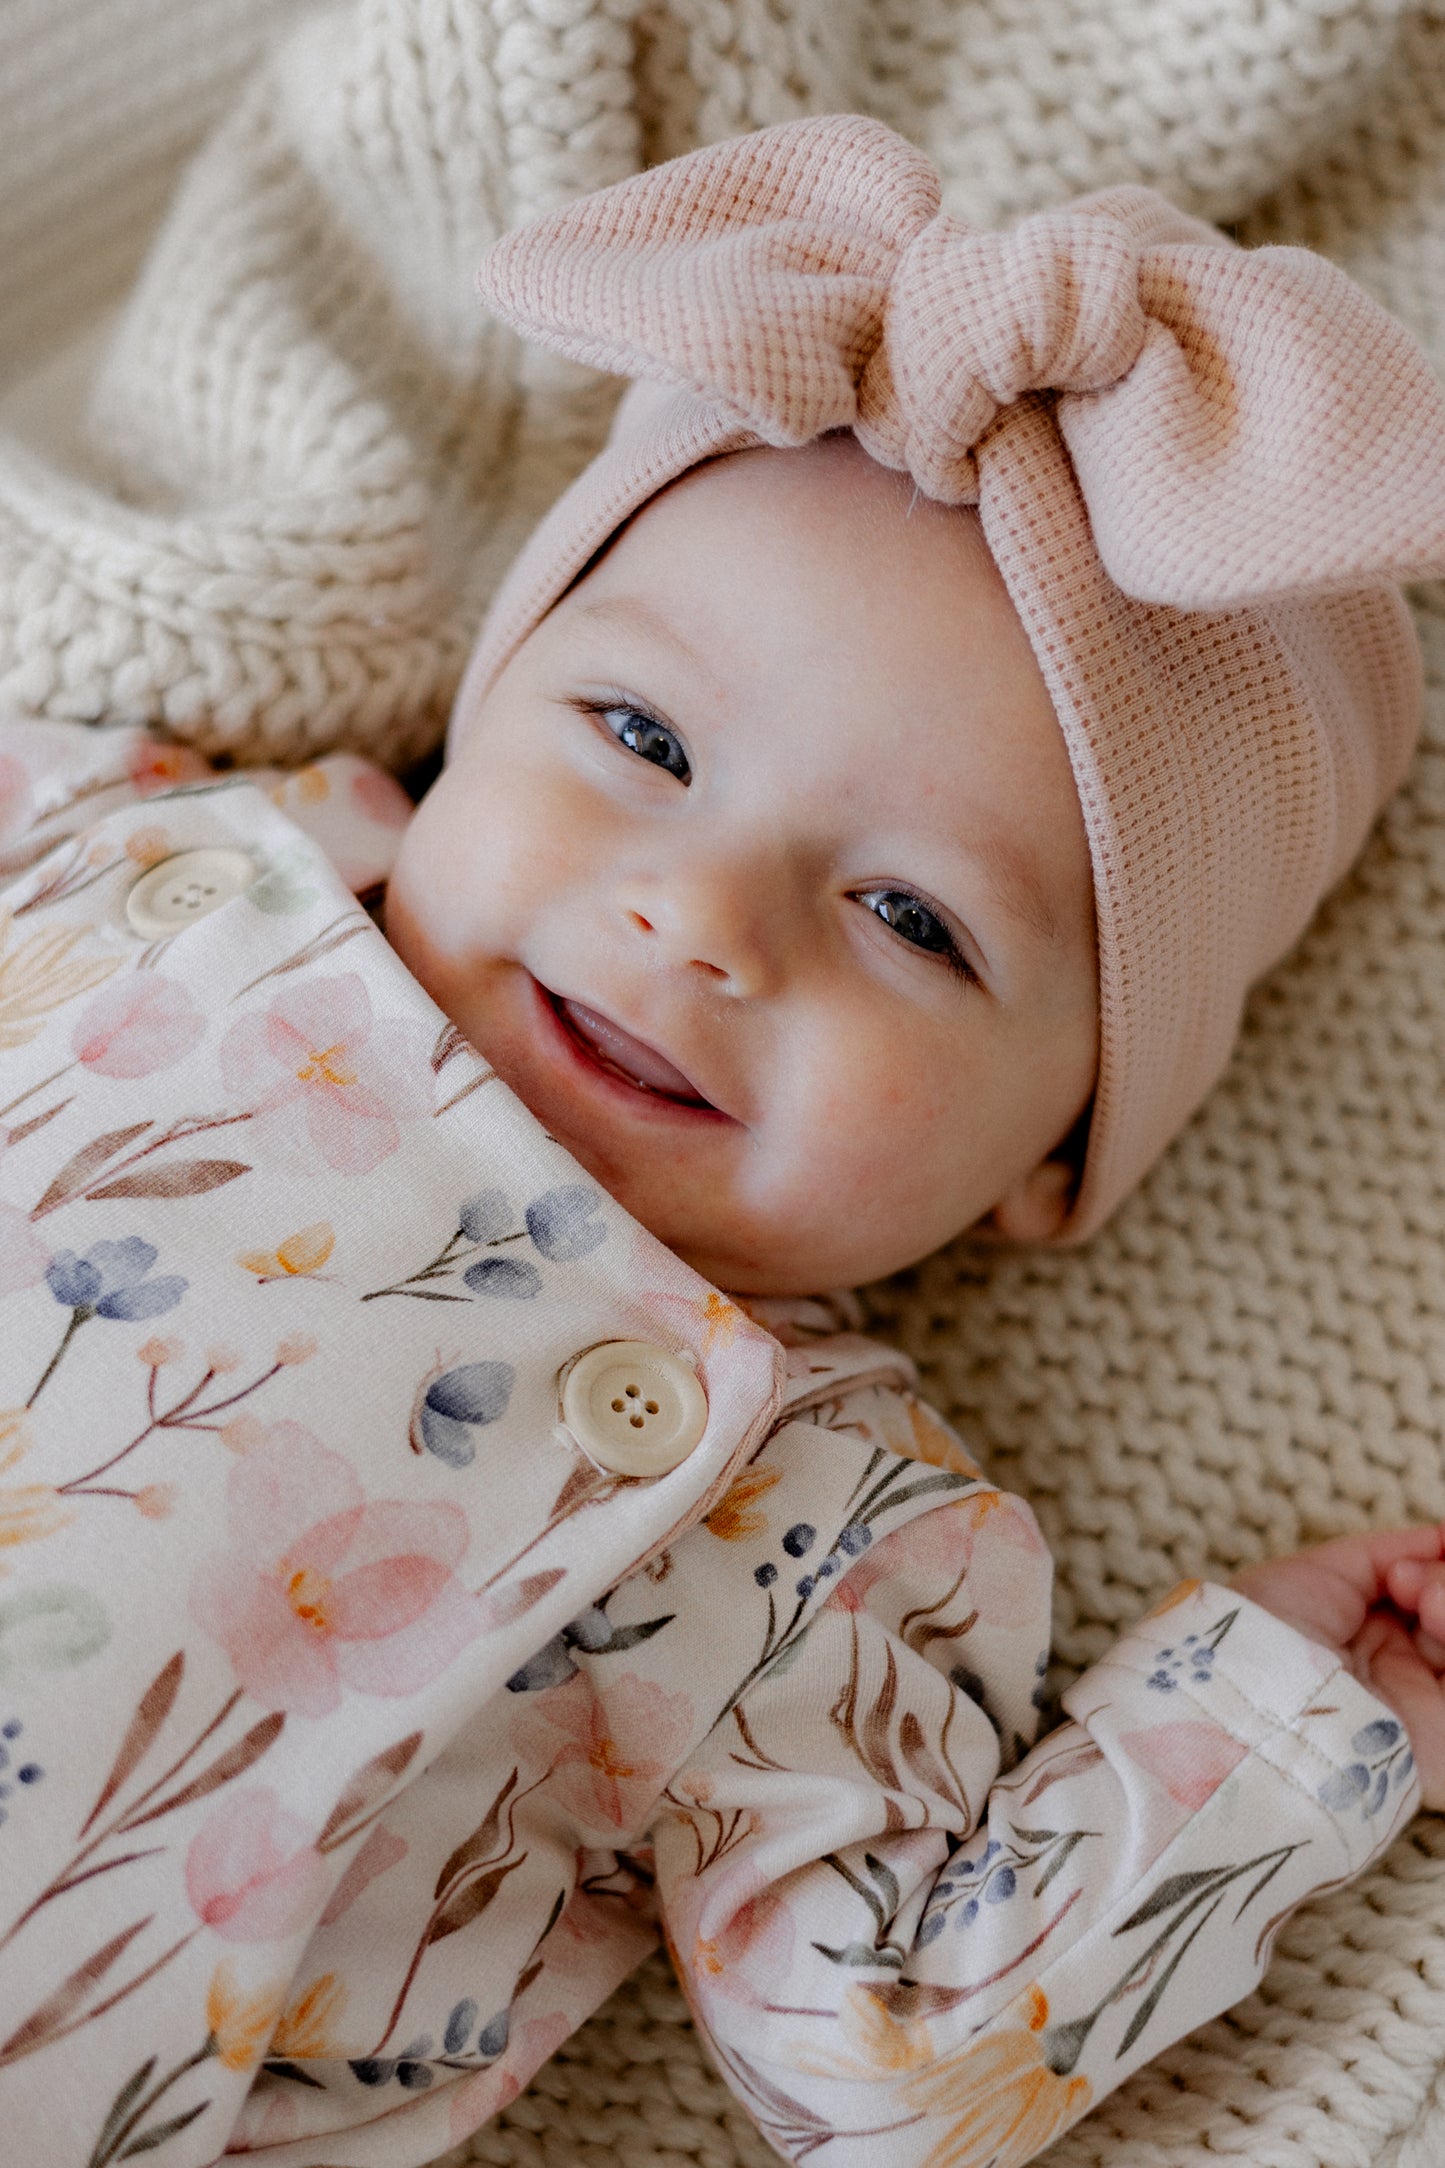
(644, 735)
(914, 923)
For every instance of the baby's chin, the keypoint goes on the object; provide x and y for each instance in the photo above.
(747, 1253)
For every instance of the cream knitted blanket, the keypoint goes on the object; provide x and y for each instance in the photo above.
(261, 487)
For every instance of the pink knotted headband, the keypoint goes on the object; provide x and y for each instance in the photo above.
(1199, 469)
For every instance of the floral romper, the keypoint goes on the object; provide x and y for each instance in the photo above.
(418, 1590)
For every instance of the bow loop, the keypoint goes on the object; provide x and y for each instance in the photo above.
(1241, 423)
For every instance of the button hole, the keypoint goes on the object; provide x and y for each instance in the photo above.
(636, 1422)
(617, 1407)
(632, 1392)
(651, 1406)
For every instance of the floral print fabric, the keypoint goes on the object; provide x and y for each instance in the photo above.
(356, 1729)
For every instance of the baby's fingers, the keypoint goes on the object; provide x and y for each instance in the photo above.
(1418, 1585)
(1368, 1561)
(1385, 1659)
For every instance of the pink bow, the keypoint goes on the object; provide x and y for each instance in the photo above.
(1241, 423)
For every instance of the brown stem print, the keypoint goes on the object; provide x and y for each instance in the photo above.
(104, 1167)
(151, 1716)
(186, 1413)
(468, 1883)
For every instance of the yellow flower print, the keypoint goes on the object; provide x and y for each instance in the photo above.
(931, 1441)
(299, 1257)
(733, 1518)
(15, 1438)
(885, 2046)
(1180, 1593)
(240, 2024)
(720, 1321)
(305, 2027)
(310, 786)
(148, 846)
(1004, 2102)
(40, 974)
(28, 1511)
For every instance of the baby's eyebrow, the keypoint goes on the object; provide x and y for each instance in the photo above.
(635, 613)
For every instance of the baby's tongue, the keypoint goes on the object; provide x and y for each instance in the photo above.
(621, 1051)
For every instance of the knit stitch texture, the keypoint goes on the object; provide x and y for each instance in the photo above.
(305, 466)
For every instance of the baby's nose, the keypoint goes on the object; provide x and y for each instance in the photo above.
(713, 921)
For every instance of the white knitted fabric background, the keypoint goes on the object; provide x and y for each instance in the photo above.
(265, 504)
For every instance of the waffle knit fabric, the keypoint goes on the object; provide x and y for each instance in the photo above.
(1197, 468)
(275, 517)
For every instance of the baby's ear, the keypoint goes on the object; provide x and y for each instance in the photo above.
(1036, 1207)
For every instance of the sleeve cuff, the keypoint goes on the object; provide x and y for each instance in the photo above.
(1209, 1652)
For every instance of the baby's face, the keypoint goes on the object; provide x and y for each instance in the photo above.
(760, 876)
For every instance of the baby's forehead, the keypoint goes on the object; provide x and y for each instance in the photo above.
(808, 617)
(822, 539)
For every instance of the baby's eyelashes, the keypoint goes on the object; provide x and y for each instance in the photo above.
(917, 923)
(645, 735)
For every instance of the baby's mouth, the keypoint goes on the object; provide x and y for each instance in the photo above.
(617, 1051)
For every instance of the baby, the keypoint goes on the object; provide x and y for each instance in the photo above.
(872, 794)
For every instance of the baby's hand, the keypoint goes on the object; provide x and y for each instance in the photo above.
(1379, 1602)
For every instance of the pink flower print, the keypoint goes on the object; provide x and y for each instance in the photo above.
(382, 1850)
(379, 797)
(23, 1256)
(252, 1871)
(145, 1023)
(320, 1590)
(1010, 1573)
(990, 1535)
(1188, 1761)
(1191, 1760)
(618, 1749)
(152, 765)
(333, 1081)
(740, 1950)
(486, 2092)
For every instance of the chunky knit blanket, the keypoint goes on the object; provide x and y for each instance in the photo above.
(261, 464)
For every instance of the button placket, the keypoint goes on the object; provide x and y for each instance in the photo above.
(185, 888)
(636, 1409)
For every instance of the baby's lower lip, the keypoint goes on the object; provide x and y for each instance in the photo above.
(630, 1061)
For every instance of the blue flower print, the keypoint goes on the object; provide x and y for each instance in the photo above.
(112, 1281)
(486, 1217)
(511, 1277)
(412, 2068)
(493, 2037)
(1384, 1763)
(564, 1223)
(1193, 1658)
(15, 1768)
(593, 1632)
(455, 1404)
(408, 2069)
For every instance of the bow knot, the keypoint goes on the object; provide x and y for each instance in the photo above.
(1052, 306)
(1241, 422)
